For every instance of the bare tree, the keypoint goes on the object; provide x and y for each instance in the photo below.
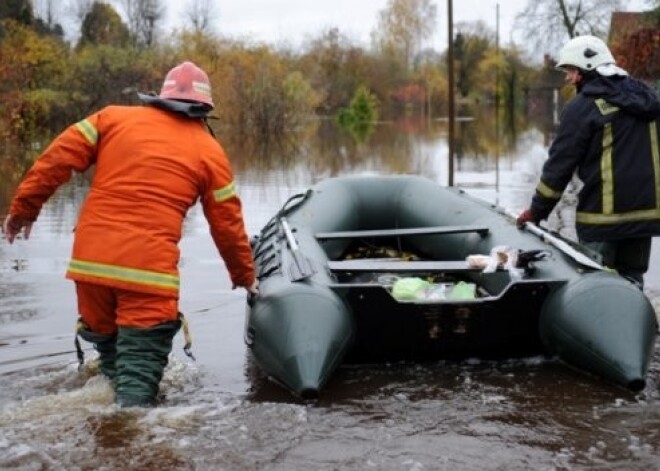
(143, 18)
(47, 15)
(403, 26)
(76, 11)
(47, 10)
(79, 9)
(547, 24)
(200, 13)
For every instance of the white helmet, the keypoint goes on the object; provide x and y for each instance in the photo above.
(585, 52)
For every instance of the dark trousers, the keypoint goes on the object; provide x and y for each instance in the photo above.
(629, 257)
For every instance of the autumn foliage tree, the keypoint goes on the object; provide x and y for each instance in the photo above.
(260, 91)
(635, 42)
(639, 53)
(18, 10)
(403, 26)
(103, 25)
(30, 95)
(470, 49)
(335, 67)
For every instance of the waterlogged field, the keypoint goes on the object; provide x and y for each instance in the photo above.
(221, 413)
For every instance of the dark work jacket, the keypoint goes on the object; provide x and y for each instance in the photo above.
(610, 135)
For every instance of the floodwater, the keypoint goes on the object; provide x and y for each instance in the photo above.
(221, 413)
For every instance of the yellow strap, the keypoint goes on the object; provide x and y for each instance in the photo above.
(187, 337)
(80, 325)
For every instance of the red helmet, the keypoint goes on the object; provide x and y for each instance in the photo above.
(187, 82)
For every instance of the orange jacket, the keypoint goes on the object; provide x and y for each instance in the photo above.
(151, 166)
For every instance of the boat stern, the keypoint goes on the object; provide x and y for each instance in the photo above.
(601, 324)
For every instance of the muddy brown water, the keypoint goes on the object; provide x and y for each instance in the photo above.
(221, 413)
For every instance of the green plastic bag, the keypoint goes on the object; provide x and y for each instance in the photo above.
(410, 289)
(462, 290)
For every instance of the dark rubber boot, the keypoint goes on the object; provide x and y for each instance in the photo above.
(142, 356)
(105, 345)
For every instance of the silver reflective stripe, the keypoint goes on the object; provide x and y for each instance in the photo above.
(202, 87)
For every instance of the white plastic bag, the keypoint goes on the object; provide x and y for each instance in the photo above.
(501, 256)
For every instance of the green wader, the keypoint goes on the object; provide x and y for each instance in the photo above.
(106, 347)
(142, 354)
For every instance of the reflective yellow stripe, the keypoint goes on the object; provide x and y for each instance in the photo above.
(632, 216)
(655, 152)
(608, 216)
(88, 130)
(548, 192)
(605, 108)
(132, 275)
(224, 193)
(606, 170)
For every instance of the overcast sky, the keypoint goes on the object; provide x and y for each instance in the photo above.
(291, 21)
(278, 21)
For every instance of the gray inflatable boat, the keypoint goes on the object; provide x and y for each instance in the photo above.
(366, 270)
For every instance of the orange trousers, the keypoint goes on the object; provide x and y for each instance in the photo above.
(104, 309)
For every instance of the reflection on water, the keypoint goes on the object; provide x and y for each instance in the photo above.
(223, 413)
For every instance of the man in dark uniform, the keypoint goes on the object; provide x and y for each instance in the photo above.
(610, 134)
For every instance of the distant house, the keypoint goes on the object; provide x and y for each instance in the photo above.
(634, 39)
(624, 24)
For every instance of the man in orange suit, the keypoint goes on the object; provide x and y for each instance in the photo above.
(152, 164)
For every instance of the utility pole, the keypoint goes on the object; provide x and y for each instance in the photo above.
(450, 82)
(497, 99)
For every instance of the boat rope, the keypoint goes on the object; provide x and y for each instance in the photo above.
(289, 205)
(266, 255)
(293, 202)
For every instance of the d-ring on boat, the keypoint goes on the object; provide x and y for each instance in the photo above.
(330, 260)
